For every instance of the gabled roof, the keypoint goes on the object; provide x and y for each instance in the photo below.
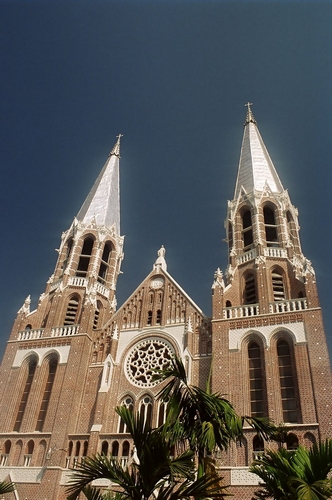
(255, 167)
(102, 204)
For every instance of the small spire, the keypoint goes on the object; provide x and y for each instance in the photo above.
(250, 117)
(116, 149)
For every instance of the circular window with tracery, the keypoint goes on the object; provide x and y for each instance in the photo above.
(146, 357)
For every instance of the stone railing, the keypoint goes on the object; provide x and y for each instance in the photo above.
(241, 312)
(275, 252)
(64, 331)
(289, 305)
(38, 333)
(102, 289)
(76, 281)
(245, 257)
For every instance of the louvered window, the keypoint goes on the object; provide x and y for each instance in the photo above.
(250, 290)
(71, 313)
(278, 287)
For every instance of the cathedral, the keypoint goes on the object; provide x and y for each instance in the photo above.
(77, 356)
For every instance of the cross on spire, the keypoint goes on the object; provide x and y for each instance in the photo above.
(250, 117)
(116, 149)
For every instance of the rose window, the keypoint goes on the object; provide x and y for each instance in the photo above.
(146, 357)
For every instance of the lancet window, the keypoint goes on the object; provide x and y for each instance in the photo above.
(128, 403)
(84, 260)
(104, 265)
(247, 232)
(52, 366)
(257, 381)
(145, 409)
(26, 391)
(287, 383)
(271, 235)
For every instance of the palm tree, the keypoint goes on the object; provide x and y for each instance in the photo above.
(200, 418)
(153, 475)
(6, 487)
(301, 474)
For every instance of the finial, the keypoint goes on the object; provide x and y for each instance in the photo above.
(250, 117)
(116, 149)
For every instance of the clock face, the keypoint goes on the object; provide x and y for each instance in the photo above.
(157, 282)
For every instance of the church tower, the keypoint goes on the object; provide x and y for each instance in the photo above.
(270, 353)
(46, 362)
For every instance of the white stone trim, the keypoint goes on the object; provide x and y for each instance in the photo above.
(22, 474)
(237, 335)
(41, 353)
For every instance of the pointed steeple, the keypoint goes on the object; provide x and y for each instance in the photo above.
(102, 204)
(255, 167)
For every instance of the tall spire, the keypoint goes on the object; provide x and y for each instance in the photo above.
(255, 167)
(102, 204)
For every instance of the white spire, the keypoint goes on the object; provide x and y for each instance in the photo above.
(255, 168)
(102, 204)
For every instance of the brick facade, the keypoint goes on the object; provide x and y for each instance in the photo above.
(75, 358)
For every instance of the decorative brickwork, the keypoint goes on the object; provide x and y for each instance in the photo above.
(70, 362)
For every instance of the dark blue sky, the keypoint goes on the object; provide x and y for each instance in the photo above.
(173, 77)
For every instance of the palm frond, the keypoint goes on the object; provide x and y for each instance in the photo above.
(6, 487)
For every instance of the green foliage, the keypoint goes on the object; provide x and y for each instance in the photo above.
(6, 487)
(301, 474)
(203, 419)
(155, 475)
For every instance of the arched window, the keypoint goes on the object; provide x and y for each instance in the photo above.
(5, 453)
(128, 402)
(28, 455)
(78, 449)
(149, 321)
(287, 386)
(115, 449)
(71, 313)
(230, 237)
(309, 440)
(247, 233)
(125, 453)
(41, 451)
(257, 382)
(84, 260)
(104, 265)
(258, 447)
(250, 289)
(26, 391)
(292, 442)
(162, 413)
(270, 227)
(145, 409)
(85, 449)
(278, 286)
(69, 246)
(52, 366)
(98, 315)
(104, 448)
(158, 319)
